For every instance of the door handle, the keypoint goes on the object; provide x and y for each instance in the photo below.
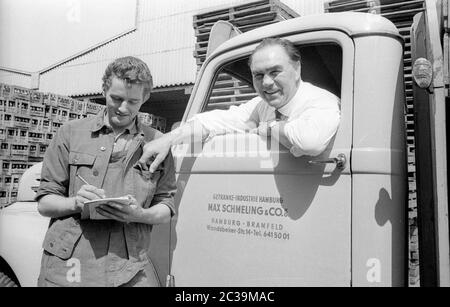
(340, 161)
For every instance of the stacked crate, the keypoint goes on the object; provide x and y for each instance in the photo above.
(15, 123)
(228, 90)
(145, 118)
(401, 13)
(245, 17)
(91, 108)
(157, 122)
(76, 110)
(28, 122)
(36, 134)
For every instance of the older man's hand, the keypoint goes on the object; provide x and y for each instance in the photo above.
(159, 149)
(262, 129)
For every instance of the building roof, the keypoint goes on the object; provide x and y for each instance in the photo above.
(166, 44)
(15, 77)
(164, 38)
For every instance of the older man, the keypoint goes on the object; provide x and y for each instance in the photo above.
(301, 116)
(94, 158)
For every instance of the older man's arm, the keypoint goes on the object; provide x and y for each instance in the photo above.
(160, 147)
(199, 127)
(308, 134)
(311, 132)
(277, 132)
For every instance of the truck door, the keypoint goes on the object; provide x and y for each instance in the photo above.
(251, 214)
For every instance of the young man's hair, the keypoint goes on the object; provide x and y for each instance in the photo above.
(287, 45)
(130, 69)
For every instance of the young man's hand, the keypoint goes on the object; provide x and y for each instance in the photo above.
(133, 213)
(86, 193)
(126, 213)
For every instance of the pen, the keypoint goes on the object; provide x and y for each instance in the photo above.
(85, 182)
(82, 179)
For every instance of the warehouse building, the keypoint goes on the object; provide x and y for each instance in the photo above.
(164, 37)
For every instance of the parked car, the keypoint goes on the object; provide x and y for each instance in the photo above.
(22, 231)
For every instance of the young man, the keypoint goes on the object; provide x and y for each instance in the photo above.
(95, 158)
(301, 116)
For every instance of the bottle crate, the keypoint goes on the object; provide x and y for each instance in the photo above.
(5, 90)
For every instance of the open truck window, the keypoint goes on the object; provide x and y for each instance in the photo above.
(321, 66)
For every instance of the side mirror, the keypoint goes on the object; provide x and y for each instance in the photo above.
(220, 32)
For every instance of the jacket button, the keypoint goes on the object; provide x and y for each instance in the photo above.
(95, 172)
(51, 244)
(102, 148)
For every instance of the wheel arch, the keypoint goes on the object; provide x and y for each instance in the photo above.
(6, 268)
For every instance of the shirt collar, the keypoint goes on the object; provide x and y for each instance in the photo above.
(102, 121)
(287, 109)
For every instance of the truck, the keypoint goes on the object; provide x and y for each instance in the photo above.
(249, 213)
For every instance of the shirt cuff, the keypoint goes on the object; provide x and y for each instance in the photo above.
(204, 121)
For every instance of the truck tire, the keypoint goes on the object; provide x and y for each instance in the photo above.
(5, 281)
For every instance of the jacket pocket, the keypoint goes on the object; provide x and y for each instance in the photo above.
(144, 184)
(80, 164)
(62, 237)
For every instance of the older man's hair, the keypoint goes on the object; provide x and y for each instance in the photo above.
(130, 69)
(288, 46)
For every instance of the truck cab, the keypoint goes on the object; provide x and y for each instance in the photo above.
(252, 214)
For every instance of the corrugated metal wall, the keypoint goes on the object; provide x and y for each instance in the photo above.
(15, 78)
(151, 9)
(164, 38)
(166, 44)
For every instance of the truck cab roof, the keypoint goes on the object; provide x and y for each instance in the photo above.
(351, 23)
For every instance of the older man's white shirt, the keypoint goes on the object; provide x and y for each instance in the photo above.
(312, 119)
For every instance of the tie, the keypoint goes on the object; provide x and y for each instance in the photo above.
(279, 116)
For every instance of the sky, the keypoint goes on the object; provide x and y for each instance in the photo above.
(35, 34)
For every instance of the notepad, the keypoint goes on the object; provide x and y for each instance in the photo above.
(90, 206)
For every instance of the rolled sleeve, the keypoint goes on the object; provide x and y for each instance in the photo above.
(311, 133)
(55, 168)
(166, 187)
